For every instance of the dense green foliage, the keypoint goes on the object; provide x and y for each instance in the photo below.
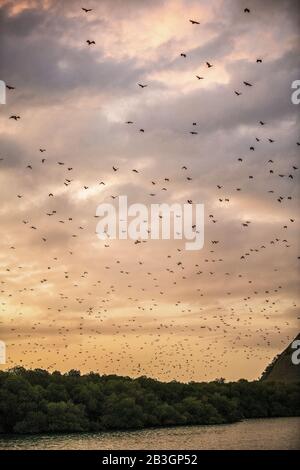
(35, 401)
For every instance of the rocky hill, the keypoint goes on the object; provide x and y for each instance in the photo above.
(282, 369)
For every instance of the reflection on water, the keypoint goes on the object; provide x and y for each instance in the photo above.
(277, 433)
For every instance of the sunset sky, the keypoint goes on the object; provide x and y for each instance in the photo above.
(153, 308)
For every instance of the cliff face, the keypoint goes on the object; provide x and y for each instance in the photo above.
(282, 369)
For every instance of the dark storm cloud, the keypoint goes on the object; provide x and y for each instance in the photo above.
(39, 62)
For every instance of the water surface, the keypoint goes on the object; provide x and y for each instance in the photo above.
(275, 433)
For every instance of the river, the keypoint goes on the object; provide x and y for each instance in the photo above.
(274, 433)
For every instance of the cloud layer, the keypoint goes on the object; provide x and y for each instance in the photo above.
(152, 308)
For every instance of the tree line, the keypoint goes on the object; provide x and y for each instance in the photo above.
(37, 401)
